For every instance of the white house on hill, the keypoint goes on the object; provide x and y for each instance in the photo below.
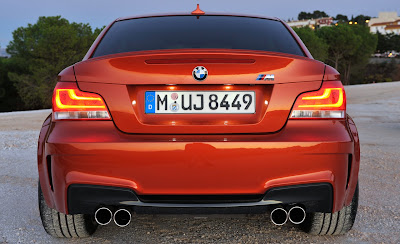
(387, 22)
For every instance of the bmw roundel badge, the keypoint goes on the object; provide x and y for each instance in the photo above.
(200, 73)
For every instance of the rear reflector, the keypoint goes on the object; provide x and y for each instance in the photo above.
(329, 102)
(317, 114)
(71, 103)
(82, 115)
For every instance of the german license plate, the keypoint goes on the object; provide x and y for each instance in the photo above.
(200, 102)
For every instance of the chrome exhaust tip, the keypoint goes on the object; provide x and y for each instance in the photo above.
(103, 216)
(297, 215)
(279, 216)
(122, 217)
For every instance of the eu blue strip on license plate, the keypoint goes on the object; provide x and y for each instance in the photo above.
(150, 102)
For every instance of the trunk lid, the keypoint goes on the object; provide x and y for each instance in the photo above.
(123, 80)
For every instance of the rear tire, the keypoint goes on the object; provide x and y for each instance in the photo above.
(62, 225)
(338, 223)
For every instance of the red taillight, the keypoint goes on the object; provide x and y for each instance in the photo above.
(71, 103)
(328, 102)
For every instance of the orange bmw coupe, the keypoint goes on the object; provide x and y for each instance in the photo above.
(198, 113)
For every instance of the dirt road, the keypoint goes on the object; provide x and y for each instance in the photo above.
(375, 109)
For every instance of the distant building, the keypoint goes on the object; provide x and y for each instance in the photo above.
(311, 23)
(3, 53)
(324, 21)
(302, 23)
(387, 22)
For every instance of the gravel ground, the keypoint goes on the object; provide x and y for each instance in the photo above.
(375, 109)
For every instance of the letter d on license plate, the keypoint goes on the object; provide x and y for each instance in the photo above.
(200, 102)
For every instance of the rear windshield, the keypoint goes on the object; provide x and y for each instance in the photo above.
(191, 32)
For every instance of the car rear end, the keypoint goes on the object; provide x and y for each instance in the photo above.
(193, 111)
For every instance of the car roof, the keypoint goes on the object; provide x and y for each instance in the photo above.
(207, 14)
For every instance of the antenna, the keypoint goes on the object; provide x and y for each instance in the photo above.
(198, 11)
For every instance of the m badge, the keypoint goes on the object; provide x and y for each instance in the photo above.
(266, 77)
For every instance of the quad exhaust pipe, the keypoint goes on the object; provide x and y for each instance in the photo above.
(296, 215)
(279, 216)
(103, 216)
(122, 217)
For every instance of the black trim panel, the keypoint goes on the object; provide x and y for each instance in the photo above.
(316, 197)
(87, 198)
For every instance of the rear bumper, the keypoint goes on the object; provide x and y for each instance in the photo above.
(96, 153)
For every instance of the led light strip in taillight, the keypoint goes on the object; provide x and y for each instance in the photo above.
(329, 102)
(70, 103)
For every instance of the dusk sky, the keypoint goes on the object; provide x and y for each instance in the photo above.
(16, 13)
